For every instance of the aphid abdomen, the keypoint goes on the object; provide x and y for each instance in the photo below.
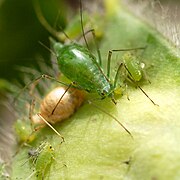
(133, 66)
(44, 159)
(80, 66)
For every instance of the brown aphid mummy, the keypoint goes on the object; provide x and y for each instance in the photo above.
(69, 103)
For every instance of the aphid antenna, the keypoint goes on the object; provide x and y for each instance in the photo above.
(81, 20)
(36, 152)
(65, 34)
(134, 82)
(47, 48)
(44, 22)
(114, 118)
(43, 76)
(129, 49)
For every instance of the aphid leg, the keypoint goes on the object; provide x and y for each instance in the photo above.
(114, 118)
(147, 96)
(117, 74)
(92, 31)
(31, 175)
(117, 77)
(43, 76)
(69, 86)
(127, 94)
(51, 127)
(82, 27)
(109, 63)
(118, 50)
(41, 126)
(34, 129)
(31, 108)
(134, 82)
(146, 76)
(43, 21)
(20, 146)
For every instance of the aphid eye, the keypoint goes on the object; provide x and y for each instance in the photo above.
(50, 147)
(102, 93)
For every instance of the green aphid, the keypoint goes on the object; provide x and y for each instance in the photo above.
(24, 131)
(41, 159)
(134, 67)
(135, 71)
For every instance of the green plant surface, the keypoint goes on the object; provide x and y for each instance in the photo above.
(95, 146)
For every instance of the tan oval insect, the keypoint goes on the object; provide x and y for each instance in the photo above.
(70, 102)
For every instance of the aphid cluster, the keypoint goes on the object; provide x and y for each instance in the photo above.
(85, 71)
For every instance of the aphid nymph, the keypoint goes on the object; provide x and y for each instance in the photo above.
(41, 159)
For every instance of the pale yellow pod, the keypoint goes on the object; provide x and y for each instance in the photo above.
(69, 103)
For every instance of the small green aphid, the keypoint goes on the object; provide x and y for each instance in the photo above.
(25, 134)
(135, 71)
(41, 158)
(24, 131)
(133, 66)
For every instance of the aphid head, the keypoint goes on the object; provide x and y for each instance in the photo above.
(103, 94)
(105, 91)
(50, 148)
(57, 46)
